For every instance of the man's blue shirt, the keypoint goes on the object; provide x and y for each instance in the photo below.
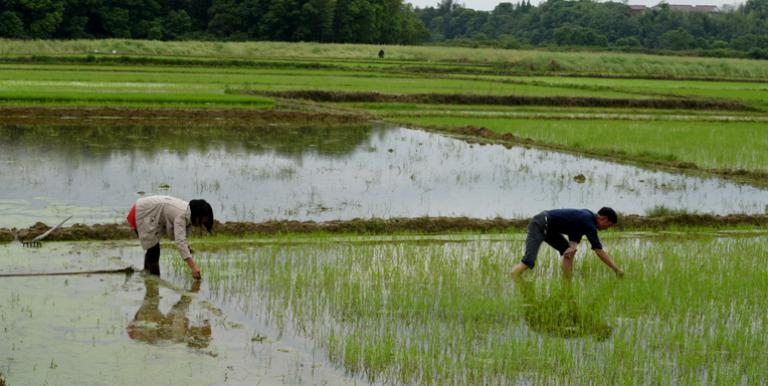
(575, 223)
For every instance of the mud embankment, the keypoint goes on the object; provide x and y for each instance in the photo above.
(508, 100)
(420, 225)
(170, 117)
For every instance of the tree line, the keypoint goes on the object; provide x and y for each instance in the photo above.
(735, 31)
(588, 23)
(348, 21)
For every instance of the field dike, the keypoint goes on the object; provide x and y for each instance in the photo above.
(507, 100)
(420, 225)
(543, 67)
(156, 117)
(484, 135)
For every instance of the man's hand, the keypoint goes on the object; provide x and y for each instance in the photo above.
(619, 273)
(570, 252)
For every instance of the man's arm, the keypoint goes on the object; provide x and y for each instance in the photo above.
(607, 260)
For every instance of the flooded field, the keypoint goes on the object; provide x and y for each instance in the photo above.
(134, 329)
(322, 174)
(425, 310)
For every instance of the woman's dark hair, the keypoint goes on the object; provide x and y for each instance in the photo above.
(609, 213)
(201, 209)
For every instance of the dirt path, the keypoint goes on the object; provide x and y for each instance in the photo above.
(421, 225)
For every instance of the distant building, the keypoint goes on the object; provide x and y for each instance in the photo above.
(676, 8)
(706, 9)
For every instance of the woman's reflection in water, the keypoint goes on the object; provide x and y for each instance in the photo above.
(150, 325)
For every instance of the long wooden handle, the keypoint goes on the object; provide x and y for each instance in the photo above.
(42, 236)
(126, 270)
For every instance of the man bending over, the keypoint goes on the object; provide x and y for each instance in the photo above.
(550, 225)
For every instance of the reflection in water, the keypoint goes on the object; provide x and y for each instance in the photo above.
(560, 315)
(47, 174)
(152, 326)
(95, 143)
(72, 331)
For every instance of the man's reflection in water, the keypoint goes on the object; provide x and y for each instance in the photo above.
(560, 315)
(152, 326)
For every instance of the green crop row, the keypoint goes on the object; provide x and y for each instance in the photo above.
(689, 310)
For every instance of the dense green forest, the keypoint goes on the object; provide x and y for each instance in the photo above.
(608, 24)
(351, 21)
(735, 31)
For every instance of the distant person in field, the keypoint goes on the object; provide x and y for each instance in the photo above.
(153, 216)
(550, 225)
(381, 54)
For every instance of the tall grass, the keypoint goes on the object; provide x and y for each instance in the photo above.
(689, 311)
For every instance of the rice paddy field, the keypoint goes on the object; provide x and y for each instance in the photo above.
(445, 312)
(312, 134)
(392, 310)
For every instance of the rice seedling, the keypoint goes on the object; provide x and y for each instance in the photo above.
(688, 311)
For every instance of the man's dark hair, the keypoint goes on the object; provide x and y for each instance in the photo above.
(609, 213)
(200, 209)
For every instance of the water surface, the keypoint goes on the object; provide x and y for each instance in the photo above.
(115, 329)
(322, 174)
